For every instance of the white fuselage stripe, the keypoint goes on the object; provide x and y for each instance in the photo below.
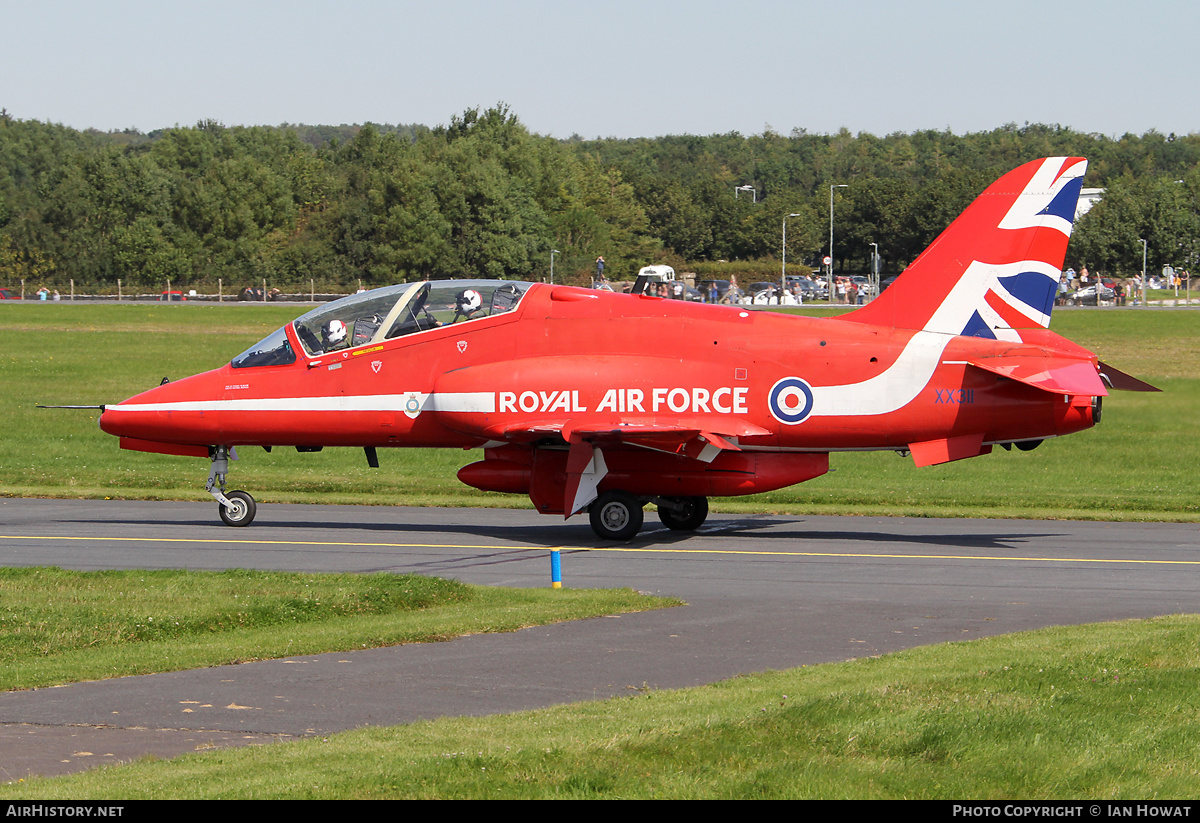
(895, 388)
(484, 402)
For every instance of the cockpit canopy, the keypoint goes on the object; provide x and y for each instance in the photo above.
(384, 314)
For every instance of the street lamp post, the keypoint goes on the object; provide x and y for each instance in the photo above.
(753, 192)
(783, 276)
(552, 253)
(830, 275)
(1145, 294)
(874, 269)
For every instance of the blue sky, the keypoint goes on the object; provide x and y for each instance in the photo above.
(610, 67)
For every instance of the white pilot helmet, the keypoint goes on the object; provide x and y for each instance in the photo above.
(469, 300)
(335, 331)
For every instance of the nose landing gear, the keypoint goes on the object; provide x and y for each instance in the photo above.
(237, 508)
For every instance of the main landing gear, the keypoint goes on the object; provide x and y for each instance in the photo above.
(618, 515)
(237, 508)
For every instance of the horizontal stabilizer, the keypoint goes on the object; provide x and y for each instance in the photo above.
(1060, 375)
(1119, 380)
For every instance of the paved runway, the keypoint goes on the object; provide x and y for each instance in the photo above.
(763, 592)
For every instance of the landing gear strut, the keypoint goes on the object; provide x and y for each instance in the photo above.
(236, 508)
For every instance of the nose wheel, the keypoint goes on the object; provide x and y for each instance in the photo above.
(240, 509)
(236, 508)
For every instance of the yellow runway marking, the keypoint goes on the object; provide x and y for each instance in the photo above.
(908, 556)
(270, 542)
(628, 549)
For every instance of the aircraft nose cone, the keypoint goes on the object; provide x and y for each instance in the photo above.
(180, 412)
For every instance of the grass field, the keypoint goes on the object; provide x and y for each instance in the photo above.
(1092, 712)
(61, 626)
(1135, 465)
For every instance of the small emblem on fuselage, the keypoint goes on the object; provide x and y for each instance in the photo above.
(412, 405)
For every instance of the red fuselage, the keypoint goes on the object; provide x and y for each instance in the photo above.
(570, 354)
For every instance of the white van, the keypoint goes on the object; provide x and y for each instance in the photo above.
(659, 273)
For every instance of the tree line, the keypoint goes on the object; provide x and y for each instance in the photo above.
(485, 197)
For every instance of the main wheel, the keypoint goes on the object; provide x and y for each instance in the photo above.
(243, 511)
(690, 513)
(616, 515)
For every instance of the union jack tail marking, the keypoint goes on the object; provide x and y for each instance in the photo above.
(996, 269)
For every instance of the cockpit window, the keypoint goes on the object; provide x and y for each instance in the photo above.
(395, 311)
(273, 350)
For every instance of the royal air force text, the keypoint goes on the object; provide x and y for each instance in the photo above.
(724, 400)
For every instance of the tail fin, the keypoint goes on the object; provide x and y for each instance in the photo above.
(996, 268)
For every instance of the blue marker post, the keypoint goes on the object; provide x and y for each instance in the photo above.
(555, 570)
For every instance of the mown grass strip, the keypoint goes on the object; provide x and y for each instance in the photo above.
(1094, 712)
(59, 626)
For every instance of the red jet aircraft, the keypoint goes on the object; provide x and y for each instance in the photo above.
(588, 400)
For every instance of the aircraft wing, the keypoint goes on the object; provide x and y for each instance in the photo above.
(698, 439)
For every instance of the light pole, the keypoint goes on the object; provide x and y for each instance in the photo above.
(783, 276)
(830, 276)
(874, 269)
(552, 253)
(1145, 295)
(749, 188)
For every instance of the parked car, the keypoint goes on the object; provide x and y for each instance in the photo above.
(807, 289)
(770, 297)
(675, 290)
(1091, 295)
(9, 294)
(172, 295)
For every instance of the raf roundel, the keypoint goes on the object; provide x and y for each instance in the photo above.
(790, 400)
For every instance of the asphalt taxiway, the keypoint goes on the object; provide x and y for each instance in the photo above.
(763, 592)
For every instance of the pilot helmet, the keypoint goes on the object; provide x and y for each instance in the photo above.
(469, 300)
(335, 331)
